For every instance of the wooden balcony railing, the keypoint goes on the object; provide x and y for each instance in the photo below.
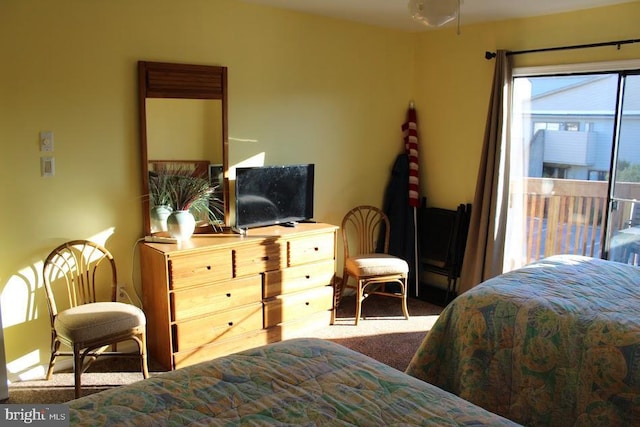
(565, 216)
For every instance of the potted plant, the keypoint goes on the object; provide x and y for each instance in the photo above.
(160, 201)
(188, 196)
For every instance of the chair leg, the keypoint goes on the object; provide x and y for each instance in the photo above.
(77, 370)
(339, 287)
(143, 355)
(405, 309)
(55, 346)
(359, 299)
(451, 287)
(86, 365)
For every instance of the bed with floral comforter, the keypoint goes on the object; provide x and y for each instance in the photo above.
(301, 382)
(555, 343)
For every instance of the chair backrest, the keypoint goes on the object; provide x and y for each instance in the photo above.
(76, 269)
(365, 229)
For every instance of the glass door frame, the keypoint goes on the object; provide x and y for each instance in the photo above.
(622, 69)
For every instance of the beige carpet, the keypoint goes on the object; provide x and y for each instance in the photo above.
(383, 335)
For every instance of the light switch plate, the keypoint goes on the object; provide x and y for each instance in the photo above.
(47, 166)
(46, 140)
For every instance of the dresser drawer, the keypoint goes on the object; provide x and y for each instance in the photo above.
(220, 325)
(294, 279)
(220, 348)
(300, 327)
(257, 258)
(203, 300)
(311, 249)
(198, 269)
(285, 308)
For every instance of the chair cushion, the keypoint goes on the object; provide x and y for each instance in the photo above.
(376, 265)
(91, 321)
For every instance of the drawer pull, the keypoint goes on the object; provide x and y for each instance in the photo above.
(228, 295)
(316, 249)
(208, 267)
(230, 323)
(307, 277)
(306, 303)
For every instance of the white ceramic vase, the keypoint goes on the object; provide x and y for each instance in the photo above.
(181, 225)
(159, 215)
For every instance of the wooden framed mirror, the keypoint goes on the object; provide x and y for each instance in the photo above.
(183, 118)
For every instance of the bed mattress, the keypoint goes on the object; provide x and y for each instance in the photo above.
(301, 382)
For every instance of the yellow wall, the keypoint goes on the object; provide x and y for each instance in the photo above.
(301, 89)
(305, 89)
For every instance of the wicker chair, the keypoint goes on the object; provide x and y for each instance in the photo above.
(373, 271)
(79, 319)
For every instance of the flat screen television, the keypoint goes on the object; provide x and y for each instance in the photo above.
(270, 195)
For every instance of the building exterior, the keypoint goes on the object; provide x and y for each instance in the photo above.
(571, 123)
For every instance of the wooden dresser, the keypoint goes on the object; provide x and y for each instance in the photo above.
(216, 295)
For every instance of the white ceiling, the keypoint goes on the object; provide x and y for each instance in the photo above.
(394, 13)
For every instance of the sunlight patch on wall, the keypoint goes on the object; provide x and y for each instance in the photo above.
(18, 302)
(102, 237)
(257, 160)
(27, 367)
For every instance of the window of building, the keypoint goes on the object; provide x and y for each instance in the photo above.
(554, 171)
(595, 175)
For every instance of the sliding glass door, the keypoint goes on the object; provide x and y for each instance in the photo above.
(623, 233)
(574, 165)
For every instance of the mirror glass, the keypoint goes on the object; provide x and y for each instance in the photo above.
(183, 127)
(186, 134)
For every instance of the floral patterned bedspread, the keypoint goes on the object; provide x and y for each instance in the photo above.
(301, 382)
(555, 343)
